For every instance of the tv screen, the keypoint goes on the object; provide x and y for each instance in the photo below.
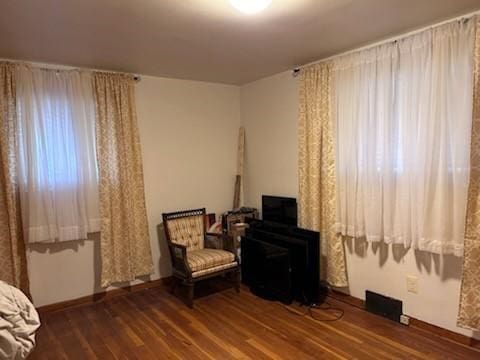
(279, 209)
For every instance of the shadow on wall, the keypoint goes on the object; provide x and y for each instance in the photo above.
(77, 245)
(163, 245)
(445, 266)
(56, 247)
(97, 263)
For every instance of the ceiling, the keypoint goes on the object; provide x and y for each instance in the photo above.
(205, 40)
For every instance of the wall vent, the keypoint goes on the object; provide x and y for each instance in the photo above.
(383, 305)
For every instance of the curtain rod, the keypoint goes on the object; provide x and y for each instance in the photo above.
(48, 66)
(465, 17)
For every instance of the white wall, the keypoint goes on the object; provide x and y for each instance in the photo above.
(269, 114)
(188, 135)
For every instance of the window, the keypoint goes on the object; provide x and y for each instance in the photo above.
(403, 114)
(56, 150)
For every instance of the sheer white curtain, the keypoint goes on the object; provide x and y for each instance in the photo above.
(403, 115)
(57, 160)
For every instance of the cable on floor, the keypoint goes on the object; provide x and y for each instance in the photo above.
(310, 311)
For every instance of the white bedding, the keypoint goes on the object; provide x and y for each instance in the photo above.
(18, 323)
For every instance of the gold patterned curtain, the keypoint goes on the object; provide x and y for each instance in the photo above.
(317, 182)
(13, 264)
(469, 312)
(125, 243)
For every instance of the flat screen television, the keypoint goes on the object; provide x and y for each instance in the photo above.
(279, 209)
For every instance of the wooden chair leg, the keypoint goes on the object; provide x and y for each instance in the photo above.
(190, 293)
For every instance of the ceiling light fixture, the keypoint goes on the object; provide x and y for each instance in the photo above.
(250, 6)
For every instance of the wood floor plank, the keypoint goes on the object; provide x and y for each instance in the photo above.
(254, 324)
(153, 324)
(282, 321)
(152, 335)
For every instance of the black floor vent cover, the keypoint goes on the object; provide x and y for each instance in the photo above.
(383, 305)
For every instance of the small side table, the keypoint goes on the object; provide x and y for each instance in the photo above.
(231, 218)
(234, 226)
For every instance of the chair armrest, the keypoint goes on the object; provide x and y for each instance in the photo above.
(215, 234)
(179, 258)
(213, 241)
(179, 250)
(221, 241)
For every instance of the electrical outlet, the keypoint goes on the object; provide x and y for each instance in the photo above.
(404, 319)
(412, 284)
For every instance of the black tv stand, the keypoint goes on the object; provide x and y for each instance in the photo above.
(282, 262)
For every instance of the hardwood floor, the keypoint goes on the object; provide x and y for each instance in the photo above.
(153, 324)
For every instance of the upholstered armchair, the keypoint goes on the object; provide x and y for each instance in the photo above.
(197, 255)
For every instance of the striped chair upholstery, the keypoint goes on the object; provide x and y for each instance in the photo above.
(194, 258)
(188, 231)
(206, 261)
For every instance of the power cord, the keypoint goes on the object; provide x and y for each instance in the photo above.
(339, 312)
(310, 311)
